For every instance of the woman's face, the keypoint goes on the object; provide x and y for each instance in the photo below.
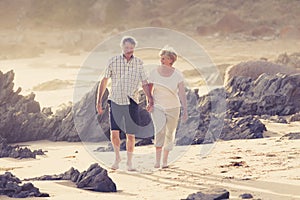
(166, 60)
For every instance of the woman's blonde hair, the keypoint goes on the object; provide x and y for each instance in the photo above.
(170, 52)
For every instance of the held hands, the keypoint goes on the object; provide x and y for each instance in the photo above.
(99, 109)
(149, 107)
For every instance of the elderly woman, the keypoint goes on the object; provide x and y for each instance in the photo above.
(167, 87)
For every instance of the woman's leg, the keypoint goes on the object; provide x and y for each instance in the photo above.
(159, 119)
(159, 139)
(165, 159)
(158, 157)
(172, 116)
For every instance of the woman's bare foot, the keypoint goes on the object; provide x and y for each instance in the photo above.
(115, 166)
(130, 167)
(165, 165)
(157, 165)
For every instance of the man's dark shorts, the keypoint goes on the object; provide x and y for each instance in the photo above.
(124, 117)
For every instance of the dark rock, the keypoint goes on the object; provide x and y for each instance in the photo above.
(291, 136)
(61, 125)
(94, 178)
(17, 152)
(294, 117)
(90, 126)
(20, 118)
(267, 95)
(109, 148)
(246, 196)
(143, 142)
(213, 194)
(254, 69)
(72, 175)
(210, 120)
(9, 186)
(47, 111)
(123, 146)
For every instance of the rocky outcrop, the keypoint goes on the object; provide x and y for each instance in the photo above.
(21, 118)
(9, 186)
(94, 178)
(230, 113)
(209, 121)
(267, 95)
(234, 112)
(61, 125)
(253, 69)
(16, 151)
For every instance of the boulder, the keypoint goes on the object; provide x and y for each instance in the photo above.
(9, 186)
(253, 69)
(94, 178)
(209, 194)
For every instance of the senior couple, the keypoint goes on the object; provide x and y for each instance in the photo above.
(165, 92)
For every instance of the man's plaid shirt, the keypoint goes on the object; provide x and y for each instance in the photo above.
(125, 78)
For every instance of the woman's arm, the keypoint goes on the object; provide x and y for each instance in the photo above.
(183, 101)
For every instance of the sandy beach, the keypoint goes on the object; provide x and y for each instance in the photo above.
(269, 169)
(58, 51)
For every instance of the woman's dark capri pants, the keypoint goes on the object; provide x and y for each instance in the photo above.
(124, 118)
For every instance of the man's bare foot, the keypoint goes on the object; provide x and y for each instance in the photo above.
(115, 166)
(157, 165)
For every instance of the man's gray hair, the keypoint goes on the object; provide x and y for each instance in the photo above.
(129, 39)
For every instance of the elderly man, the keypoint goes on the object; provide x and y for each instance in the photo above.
(126, 72)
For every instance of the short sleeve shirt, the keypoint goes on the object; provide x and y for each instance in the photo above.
(165, 89)
(126, 78)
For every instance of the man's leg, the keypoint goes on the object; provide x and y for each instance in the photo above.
(130, 142)
(115, 139)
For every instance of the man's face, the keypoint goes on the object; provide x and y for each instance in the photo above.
(128, 49)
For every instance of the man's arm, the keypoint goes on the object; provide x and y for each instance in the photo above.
(101, 89)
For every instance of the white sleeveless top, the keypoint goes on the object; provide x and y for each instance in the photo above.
(165, 89)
